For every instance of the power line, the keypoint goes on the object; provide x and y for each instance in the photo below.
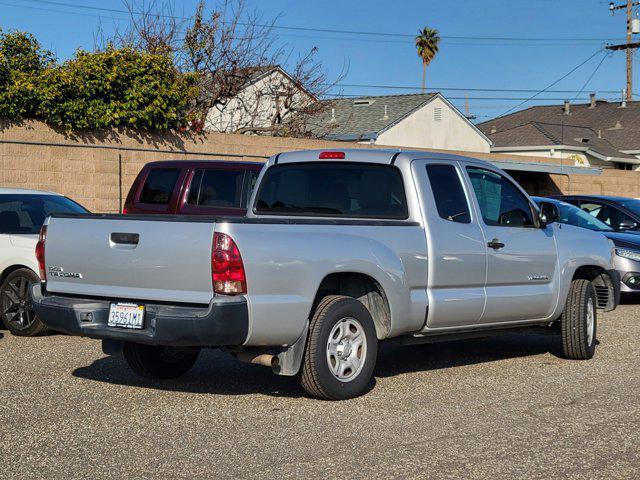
(445, 42)
(339, 31)
(604, 57)
(43, 9)
(352, 95)
(552, 84)
(101, 9)
(459, 89)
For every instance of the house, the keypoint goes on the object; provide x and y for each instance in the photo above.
(599, 133)
(426, 120)
(268, 98)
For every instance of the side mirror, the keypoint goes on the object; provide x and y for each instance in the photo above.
(548, 214)
(627, 225)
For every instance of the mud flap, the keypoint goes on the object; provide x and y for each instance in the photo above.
(290, 360)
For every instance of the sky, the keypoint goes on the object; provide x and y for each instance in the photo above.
(489, 45)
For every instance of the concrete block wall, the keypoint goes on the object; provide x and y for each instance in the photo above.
(86, 166)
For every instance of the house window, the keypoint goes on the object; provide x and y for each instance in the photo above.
(437, 114)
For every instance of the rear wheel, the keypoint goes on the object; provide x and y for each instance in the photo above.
(159, 362)
(341, 350)
(16, 309)
(578, 322)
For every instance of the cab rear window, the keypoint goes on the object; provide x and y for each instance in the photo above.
(159, 185)
(353, 190)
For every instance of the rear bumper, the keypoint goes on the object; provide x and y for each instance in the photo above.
(224, 322)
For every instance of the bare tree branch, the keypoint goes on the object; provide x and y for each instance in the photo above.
(234, 54)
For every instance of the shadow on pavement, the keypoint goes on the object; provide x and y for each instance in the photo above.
(218, 373)
(215, 373)
(396, 360)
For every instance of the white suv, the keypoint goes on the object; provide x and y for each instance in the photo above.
(22, 213)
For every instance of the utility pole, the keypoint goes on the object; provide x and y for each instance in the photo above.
(630, 46)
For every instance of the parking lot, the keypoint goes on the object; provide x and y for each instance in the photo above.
(505, 407)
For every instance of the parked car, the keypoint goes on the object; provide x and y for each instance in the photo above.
(193, 188)
(340, 250)
(627, 251)
(22, 213)
(620, 213)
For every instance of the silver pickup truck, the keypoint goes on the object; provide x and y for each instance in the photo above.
(340, 250)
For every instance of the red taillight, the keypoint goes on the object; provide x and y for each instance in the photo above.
(227, 267)
(40, 252)
(124, 211)
(331, 156)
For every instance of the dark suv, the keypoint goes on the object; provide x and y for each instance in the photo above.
(620, 213)
(206, 187)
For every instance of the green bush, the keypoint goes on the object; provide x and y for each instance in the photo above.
(22, 60)
(110, 88)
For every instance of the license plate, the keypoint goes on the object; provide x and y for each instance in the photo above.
(126, 315)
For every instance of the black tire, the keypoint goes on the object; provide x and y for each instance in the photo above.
(577, 343)
(158, 362)
(316, 377)
(16, 310)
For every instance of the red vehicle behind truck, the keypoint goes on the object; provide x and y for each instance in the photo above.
(204, 187)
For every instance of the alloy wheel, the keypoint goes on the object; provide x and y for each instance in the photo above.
(15, 303)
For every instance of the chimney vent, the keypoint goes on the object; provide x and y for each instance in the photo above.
(493, 130)
(567, 107)
(333, 115)
(592, 102)
(386, 114)
(624, 98)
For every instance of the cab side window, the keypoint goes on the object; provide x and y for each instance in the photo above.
(159, 185)
(607, 214)
(216, 188)
(599, 211)
(501, 202)
(449, 195)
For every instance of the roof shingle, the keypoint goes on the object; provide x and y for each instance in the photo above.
(607, 125)
(363, 118)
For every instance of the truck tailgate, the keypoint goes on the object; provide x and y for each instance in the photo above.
(127, 258)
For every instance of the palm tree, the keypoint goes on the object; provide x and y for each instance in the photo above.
(427, 43)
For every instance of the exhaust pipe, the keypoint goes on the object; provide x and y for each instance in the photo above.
(263, 359)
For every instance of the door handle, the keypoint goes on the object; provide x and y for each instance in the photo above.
(495, 244)
(125, 238)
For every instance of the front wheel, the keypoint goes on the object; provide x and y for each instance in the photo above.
(158, 362)
(578, 322)
(16, 309)
(341, 350)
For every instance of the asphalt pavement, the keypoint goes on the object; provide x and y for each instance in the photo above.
(506, 407)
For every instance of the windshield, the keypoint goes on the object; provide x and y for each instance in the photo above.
(572, 215)
(631, 204)
(25, 214)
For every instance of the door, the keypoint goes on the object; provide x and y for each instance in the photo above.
(457, 256)
(521, 257)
